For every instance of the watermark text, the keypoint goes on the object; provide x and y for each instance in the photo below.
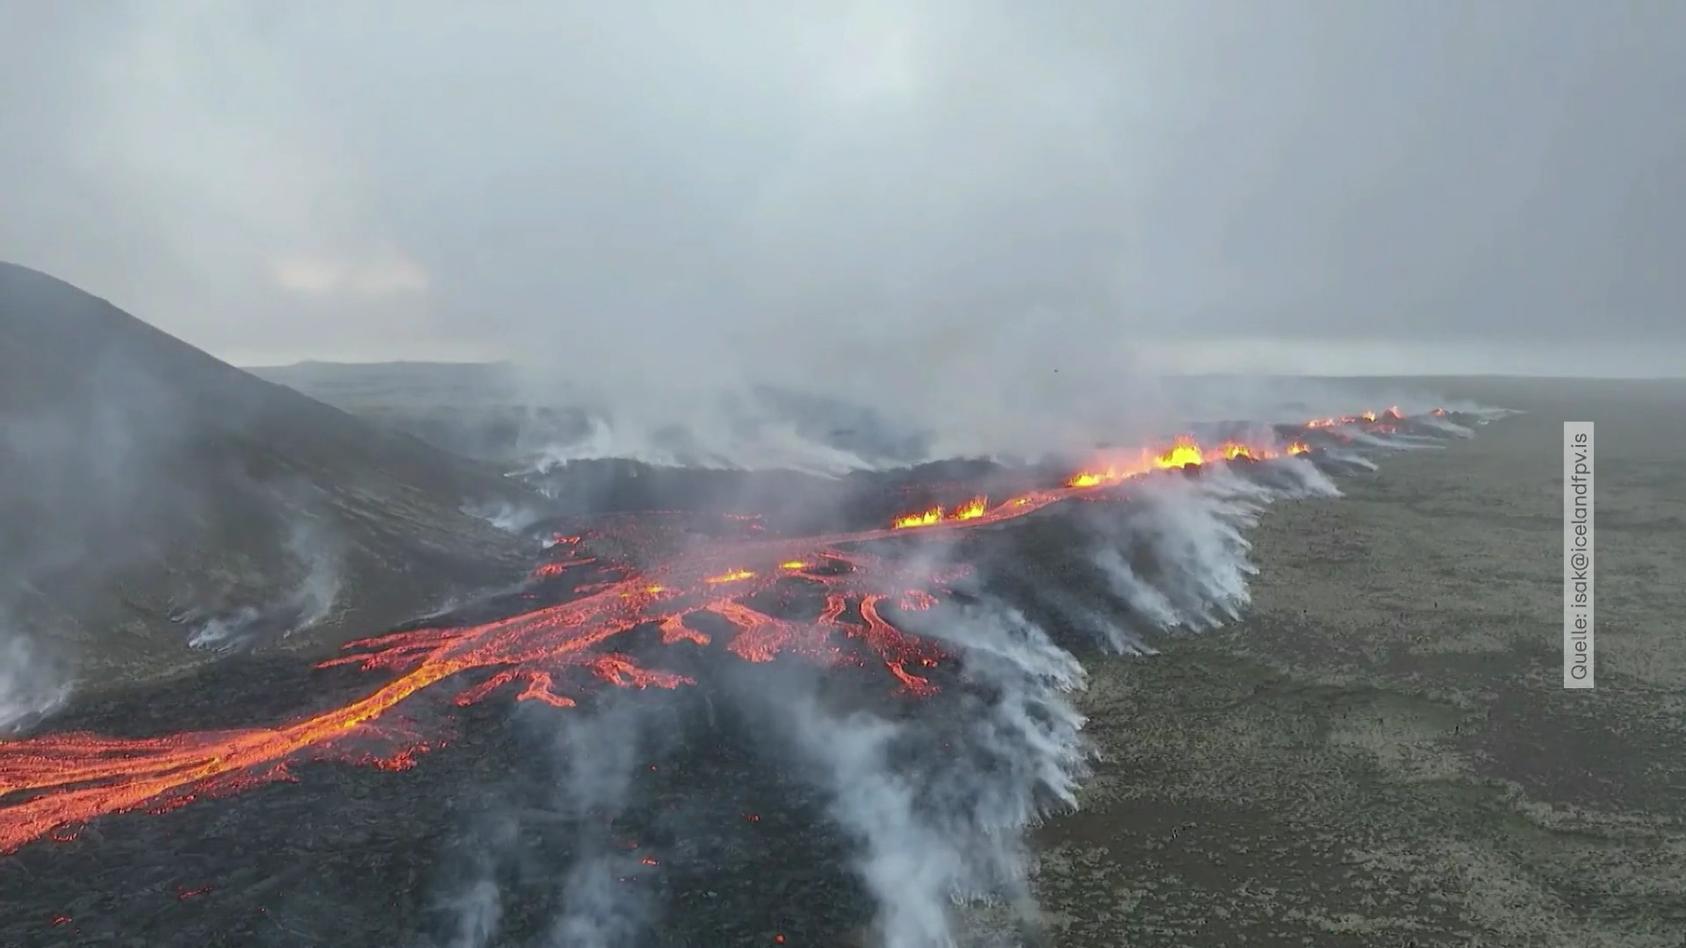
(1577, 555)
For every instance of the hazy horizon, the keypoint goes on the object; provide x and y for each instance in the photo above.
(923, 200)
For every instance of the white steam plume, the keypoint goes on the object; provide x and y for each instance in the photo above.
(506, 516)
(602, 752)
(476, 907)
(770, 445)
(305, 605)
(936, 826)
(597, 754)
(32, 684)
(798, 423)
(938, 808)
(937, 801)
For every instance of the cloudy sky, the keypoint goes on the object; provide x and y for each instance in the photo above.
(978, 189)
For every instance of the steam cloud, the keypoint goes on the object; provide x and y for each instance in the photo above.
(32, 685)
(938, 808)
(936, 801)
(308, 603)
(596, 755)
(506, 516)
(602, 753)
(727, 423)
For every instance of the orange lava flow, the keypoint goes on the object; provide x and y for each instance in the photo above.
(972, 509)
(50, 784)
(922, 519)
(732, 576)
(1184, 452)
(59, 781)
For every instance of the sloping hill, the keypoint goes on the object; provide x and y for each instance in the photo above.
(152, 495)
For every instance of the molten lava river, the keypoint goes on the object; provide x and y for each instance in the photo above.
(51, 784)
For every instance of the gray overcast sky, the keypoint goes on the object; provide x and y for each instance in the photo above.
(969, 188)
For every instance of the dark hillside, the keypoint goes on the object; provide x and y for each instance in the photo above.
(150, 493)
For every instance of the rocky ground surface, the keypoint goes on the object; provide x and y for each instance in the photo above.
(1381, 752)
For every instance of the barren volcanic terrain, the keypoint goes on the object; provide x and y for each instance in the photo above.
(816, 719)
(691, 725)
(159, 506)
(1380, 752)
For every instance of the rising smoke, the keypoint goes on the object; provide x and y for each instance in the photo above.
(317, 559)
(938, 808)
(593, 757)
(32, 684)
(713, 418)
(506, 516)
(601, 754)
(1191, 536)
(935, 800)
(938, 803)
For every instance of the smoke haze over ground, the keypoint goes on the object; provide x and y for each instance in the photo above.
(31, 684)
(998, 225)
(487, 410)
(923, 793)
(711, 294)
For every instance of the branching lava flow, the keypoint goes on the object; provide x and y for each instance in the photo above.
(51, 784)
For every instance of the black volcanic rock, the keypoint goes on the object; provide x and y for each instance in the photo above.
(150, 492)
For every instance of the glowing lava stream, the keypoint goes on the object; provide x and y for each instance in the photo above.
(50, 784)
